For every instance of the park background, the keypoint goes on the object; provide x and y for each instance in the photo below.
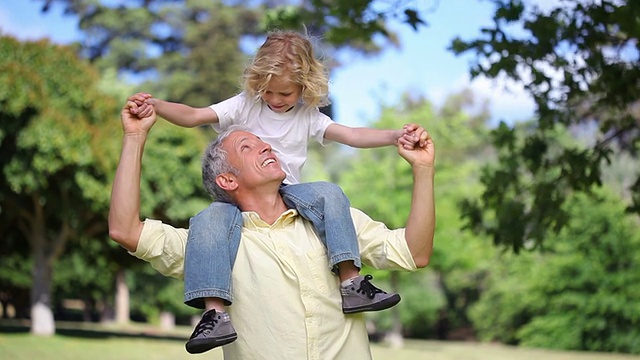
(535, 120)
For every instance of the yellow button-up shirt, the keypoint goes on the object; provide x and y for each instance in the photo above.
(287, 303)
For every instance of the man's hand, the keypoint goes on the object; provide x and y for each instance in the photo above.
(421, 222)
(137, 117)
(422, 153)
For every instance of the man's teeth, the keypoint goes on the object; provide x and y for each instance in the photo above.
(267, 162)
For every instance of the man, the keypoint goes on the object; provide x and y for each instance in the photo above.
(287, 306)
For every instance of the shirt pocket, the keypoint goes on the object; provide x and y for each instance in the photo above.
(324, 280)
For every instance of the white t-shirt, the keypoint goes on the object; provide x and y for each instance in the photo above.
(287, 133)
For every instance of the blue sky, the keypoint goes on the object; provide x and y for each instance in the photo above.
(422, 64)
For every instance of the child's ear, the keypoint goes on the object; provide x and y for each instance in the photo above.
(227, 181)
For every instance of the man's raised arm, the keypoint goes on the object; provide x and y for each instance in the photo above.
(125, 226)
(421, 223)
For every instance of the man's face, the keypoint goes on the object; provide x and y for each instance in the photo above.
(256, 162)
(281, 94)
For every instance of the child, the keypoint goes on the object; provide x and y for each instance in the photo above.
(283, 87)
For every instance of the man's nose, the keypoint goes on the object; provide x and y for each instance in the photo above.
(265, 148)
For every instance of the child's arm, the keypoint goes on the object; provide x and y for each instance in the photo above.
(362, 137)
(179, 114)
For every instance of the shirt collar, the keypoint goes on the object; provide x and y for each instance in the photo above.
(252, 220)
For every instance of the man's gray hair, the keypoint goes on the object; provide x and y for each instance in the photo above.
(214, 163)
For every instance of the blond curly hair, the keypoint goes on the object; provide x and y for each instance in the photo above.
(288, 53)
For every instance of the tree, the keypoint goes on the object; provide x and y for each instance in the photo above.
(390, 178)
(187, 51)
(579, 61)
(461, 258)
(209, 66)
(171, 191)
(15, 279)
(459, 145)
(349, 23)
(343, 23)
(54, 170)
(575, 295)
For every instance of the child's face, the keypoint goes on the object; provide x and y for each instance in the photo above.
(281, 94)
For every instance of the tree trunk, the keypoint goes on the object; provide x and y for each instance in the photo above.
(87, 310)
(44, 251)
(167, 321)
(42, 322)
(443, 324)
(122, 306)
(4, 309)
(394, 337)
(107, 311)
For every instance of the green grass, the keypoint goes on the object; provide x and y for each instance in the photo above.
(93, 342)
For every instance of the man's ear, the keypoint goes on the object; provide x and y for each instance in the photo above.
(227, 181)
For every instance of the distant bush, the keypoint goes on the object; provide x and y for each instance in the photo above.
(581, 293)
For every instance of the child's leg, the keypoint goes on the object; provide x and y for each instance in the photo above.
(328, 208)
(347, 270)
(212, 246)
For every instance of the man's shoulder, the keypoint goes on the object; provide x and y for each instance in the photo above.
(355, 212)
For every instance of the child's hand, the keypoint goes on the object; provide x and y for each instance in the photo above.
(413, 135)
(407, 141)
(144, 107)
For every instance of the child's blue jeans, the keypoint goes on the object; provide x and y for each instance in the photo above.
(214, 237)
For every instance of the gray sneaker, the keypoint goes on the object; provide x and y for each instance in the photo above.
(213, 330)
(361, 295)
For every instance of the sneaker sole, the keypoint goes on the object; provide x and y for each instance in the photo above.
(198, 346)
(381, 305)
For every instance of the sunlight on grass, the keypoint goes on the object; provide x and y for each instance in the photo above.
(444, 350)
(61, 347)
(143, 343)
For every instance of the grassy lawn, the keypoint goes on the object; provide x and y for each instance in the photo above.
(143, 342)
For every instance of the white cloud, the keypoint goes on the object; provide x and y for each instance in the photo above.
(507, 99)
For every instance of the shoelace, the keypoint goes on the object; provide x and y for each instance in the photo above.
(205, 325)
(368, 288)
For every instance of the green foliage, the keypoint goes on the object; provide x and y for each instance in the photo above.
(171, 187)
(14, 257)
(579, 62)
(187, 50)
(460, 258)
(214, 62)
(192, 46)
(171, 191)
(420, 305)
(15, 264)
(521, 201)
(383, 172)
(85, 271)
(576, 295)
(421, 300)
(152, 293)
(51, 124)
(54, 182)
(59, 152)
(346, 22)
(51, 118)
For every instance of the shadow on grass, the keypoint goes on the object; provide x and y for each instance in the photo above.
(85, 333)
